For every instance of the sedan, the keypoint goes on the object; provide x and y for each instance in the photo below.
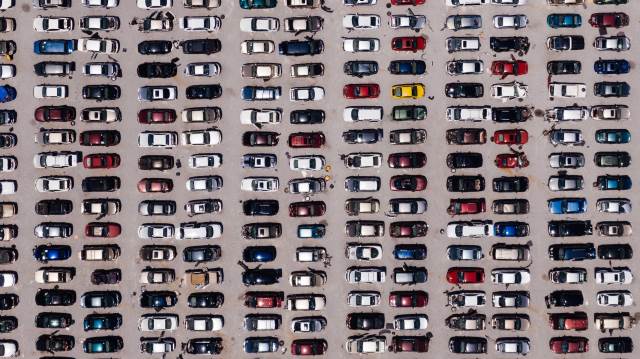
(407, 43)
(505, 68)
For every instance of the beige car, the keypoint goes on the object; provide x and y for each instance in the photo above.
(510, 322)
(263, 71)
(201, 278)
(8, 209)
(613, 321)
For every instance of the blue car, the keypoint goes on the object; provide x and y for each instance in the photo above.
(259, 254)
(611, 67)
(407, 67)
(567, 205)
(557, 21)
(410, 252)
(613, 136)
(613, 182)
(7, 93)
(313, 231)
(50, 252)
(102, 321)
(511, 229)
(257, 4)
(54, 47)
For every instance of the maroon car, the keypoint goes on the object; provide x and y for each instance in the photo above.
(569, 321)
(102, 229)
(156, 115)
(466, 136)
(609, 19)
(100, 138)
(308, 346)
(306, 140)
(263, 299)
(260, 138)
(410, 344)
(55, 114)
(407, 160)
(101, 160)
(466, 206)
(413, 299)
(408, 229)
(155, 185)
(408, 183)
(307, 209)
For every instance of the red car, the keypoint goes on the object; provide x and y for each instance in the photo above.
(308, 346)
(100, 138)
(609, 19)
(413, 299)
(466, 206)
(408, 229)
(102, 229)
(356, 91)
(565, 345)
(410, 344)
(407, 160)
(569, 321)
(155, 185)
(408, 183)
(101, 160)
(55, 114)
(306, 140)
(465, 275)
(504, 68)
(156, 115)
(408, 43)
(510, 137)
(307, 209)
(263, 299)
(407, 2)
(511, 160)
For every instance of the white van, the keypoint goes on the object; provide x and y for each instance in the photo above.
(507, 252)
(468, 113)
(570, 113)
(362, 114)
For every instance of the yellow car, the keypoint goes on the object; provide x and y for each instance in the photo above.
(407, 91)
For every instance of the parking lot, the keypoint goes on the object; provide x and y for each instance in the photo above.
(231, 149)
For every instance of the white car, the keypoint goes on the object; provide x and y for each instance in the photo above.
(520, 346)
(205, 160)
(156, 231)
(308, 324)
(366, 344)
(509, 91)
(7, 71)
(307, 93)
(612, 43)
(610, 112)
(8, 187)
(615, 275)
(53, 24)
(465, 67)
(8, 348)
(50, 91)
(201, 4)
(154, 4)
(363, 160)
(100, 3)
(263, 71)
(467, 43)
(103, 46)
(208, 137)
(200, 23)
(259, 24)
(260, 117)
(53, 275)
(204, 183)
(509, 2)
(306, 302)
(52, 230)
(201, 114)
(157, 139)
(357, 21)
(614, 205)
(454, 3)
(9, 164)
(364, 252)
(306, 163)
(510, 21)
(158, 322)
(157, 93)
(250, 47)
(510, 299)
(100, 207)
(259, 184)
(614, 298)
(364, 275)
(106, 69)
(8, 279)
(201, 323)
(568, 275)
(199, 230)
(510, 276)
(361, 44)
(414, 22)
(466, 299)
(54, 184)
(155, 25)
(363, 299)
(566, 137)
(410, 322)
(8, 4)
(102, 114)
(567, 90)
(207, 69)
(63, 159)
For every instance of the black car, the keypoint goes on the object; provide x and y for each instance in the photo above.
(106, 321)
(155, 47)
(8, 117)
(360, 68)
(106, 276)
(54, 207)
(97, 345)
(365, 321)
(259, 254)
(612, 159)
(204, 346)
(209, 92)
(9, 301)
(464, 160)
(156, 162)
(205, 300)
(465, 183)
(367, 135)
(201, 46)
(101, 184)
(55, 343)
(510, 184)
(572, 252)
(566, 298)
(206, 253)
(615, 345)
(512, 43)
(569, 228)
(8, 140)
(615, 251)
(158, 299)
(260, 138)
(564, 67)
(55, 297)
(565, 42)
(8, 324)
(49, 320)
(467, 345)
(301, 47)
(157, 70)
(101, 299)
(101, 92)
(510, 114)
(459, 321)
(464, 90)
(306, 117)
(261, 276)
(8, 255)
(611, 89)
(259, 160)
